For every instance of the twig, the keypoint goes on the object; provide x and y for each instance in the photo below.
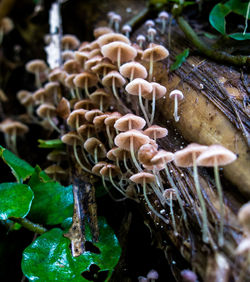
(30, 225)
(219, 56)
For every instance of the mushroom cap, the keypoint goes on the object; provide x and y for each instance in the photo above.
(141, 37)
(162, 157)
(6, 25)
(71, 138)
(46, 109)
(68, 55)
(138, 84)
(86, 130)
(70, 40)
(54, 169)
(95, 53)
(98, 121)
(93, 45)
(184, 157)
(92, 62)
(69, 80)
(120, 153)
(56, 155)
(85, 77)
(244, 217)
(105, 63)
(50, 87)
(149, 23)
(96, 96)
(90, 115)
(97, 167)
(9, 126)
(112, 37)
(110, 169)
(108, 78)
(72, 66)
(63, 108)
(76, 114)
(156, 131)
(25, 97)
(216, 154)
(130, 121)
(111, 50)
(39, 94)
(85, 104)
(111, 119)
(158, 90)
(99, 31)
(85, 46)
(81, 56)
(176, 93)
(156, 52)
(126, 28)
(34, 66)
(116, 18)
(153, 167)
(142, 177)
(151, 31)
(146, 153)
(110, 154)
(92, 143)
(124, 139)
(138, 70)
(163, 15)
(57, 74)
(166, 194)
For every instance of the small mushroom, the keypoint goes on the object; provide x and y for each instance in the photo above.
(103, 67)
(26, 99)
(96, 148)
(54, 171)
(85, 80)
(155, 132)
(76, 118)
(133, 70)
(48, 111)
(85, 104)
(126, 29)
(69, 42)
(149, 23)
(37, 67)
(116, 20)
(151, 34)
(90, 115)
(101, 97)
(176, 95)
(99, 31)
(129, 121)
(140, 39)
(112, 37)
(163, 16)
(63, 108)
(81, 57)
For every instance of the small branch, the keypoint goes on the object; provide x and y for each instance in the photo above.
(219, 56)
(30, 225)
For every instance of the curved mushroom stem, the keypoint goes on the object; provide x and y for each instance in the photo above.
(101, 104)
(158, 194)
(78, 96)
(79, 161)
(86, 87)
(153, 109)
(52, 123)
(172, 215)
(113, 183)
(37, 79)
(142, 107)
(132, 152)
(107, 190)
(84, 155)
(111, 21)
(119, 58)
(176, 117)
(110, 139)
(219, 189)
(151, 66)
(77, 122)
(126, 165)
(132, 74)
(72, 93)
(140, 44)
(95, 155)
(114, 89)
(149, 204)
(170, 180)
(205, 232)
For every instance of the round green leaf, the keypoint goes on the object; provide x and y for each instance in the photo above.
(49, 257)
(217, 17)
(15, 200)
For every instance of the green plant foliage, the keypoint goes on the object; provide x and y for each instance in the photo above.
(217, 17)
(15, 200)
(53, 202)
(21, 169)
(51, 144)
(179, 60)
(49, 258)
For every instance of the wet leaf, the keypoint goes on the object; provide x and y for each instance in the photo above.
(217, 17)
(15, 200)
(53, 202)
(240, 36)
(179, 60)
(49, 258)
(21, 169)
(51, 144)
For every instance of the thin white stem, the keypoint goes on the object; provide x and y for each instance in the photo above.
(79, 161)
(172, 214)
(37, 79)
(163, 27)
(113, 183)
(86, 87)
(176, 117)
(153, 109)
(114, 89)
(101, 103)
(119, 58)
(142, 107)
(95, 155)
(151, 66)
(78, 96)
(84, 155)
(52, 123)
(132, 152)
(125, 164)
(110, 139)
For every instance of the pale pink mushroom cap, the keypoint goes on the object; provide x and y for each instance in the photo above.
(143, 177)
(129, 121)
(139, 71)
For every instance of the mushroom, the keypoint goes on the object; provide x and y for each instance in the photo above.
(116, 20)
(153, 54)
(69, 42)
(63, 108)
(170, 195)
(92, 62)
(163, 16)
(26, 99)
(112, 37)
(145, 178)
(215, 156)
(155, 132)
(101, 97)
(151, 34)
(140, 39)
(84, 80)
(122, 155)
(187, 157)
(149, 23)
(95, 53)
(95, 147)
(128, 122)
(110, 17)
(140, 87)
(37, 67)
(68, 55)
(52, 88)
(57, 156)
(99, 31)
(126, 29)
(54, 171)
(131, 141)
(85, 104)
(76, 118)
(69, 82)
(90, 115)
(72, 66)
(119, 52)
(57, 74)
(81, 57)
(86, 131)
(98, 121)
(48, 111)
(114, 79)
(176, 95)
(133, 70)
(103, 67)
(110, 122)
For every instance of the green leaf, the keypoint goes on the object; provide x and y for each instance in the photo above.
(49, 258)
(217, 17)
(179, 59)
(240, 36)
(15, 200)
(238, 7)
(51, 144)
(53, 202)
(21, 169)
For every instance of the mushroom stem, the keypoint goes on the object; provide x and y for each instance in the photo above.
(37, 79)
(86, 87)
(113, 183)
(101, 103)
(205, 237)
(158, 194)
(117, 25)
(172, 215)
(126, 165)
(110, 140)
(219, 189)
(114, 89)
(95, 155)
(52, 123)
(7, 140)
(84, 155)
(151, 66)
(176, 117)
(153, 108)
(78, 160)
(132, 152)
(163, 27)
(72, 93)
(78, 96)
(142, 107)
(149, 204)
(170, 180)
(107, 190)
(132, 74)
(119, 58)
